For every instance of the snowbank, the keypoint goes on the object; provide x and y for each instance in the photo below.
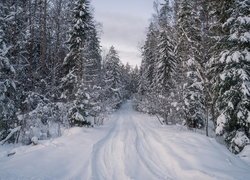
(130, 145)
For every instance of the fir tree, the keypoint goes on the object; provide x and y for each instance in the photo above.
(7, 79)
(194, 98)
(149, 54)
(134, 80)
(165, 63)
(113, 83)
(92, 53)
(190, 60)
(232, 75)
(74, 61)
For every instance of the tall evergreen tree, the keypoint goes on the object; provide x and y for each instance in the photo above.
(93, 57)
(134, 80)
(190, 60)
(233, 75)
(74, 62)
(113, 83)
(165, 63)
(8, 97)
(149, 53)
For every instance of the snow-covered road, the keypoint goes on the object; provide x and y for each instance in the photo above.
(131, 145)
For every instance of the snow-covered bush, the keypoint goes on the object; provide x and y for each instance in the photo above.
(164, 106)
(34, 140)
(221, 123)
(237, 140)
(77, 116)
(143, 104)
(43, 119)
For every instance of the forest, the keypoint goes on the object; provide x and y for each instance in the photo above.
(53, 74)
(195, 69)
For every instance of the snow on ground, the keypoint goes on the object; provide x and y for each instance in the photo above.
(130, 145)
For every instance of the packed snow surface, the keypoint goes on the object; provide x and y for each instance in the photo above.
(130, 145)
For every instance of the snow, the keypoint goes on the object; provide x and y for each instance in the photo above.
(87, 96)
(223, 76)
(77, 116)
(236, 56)
(221, 121)
(81, 13)
(230, 104)
(240, 139)
(245, 37)
(130, 145)
(244, 20)
(247, 55)
(245, 154)
(224, 55)
(34, 140)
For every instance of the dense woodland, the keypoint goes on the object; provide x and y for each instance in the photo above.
(52, 72)
(195, 68)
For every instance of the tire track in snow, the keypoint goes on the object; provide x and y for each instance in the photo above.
(108, 156)
(136, 148)
(146, 154)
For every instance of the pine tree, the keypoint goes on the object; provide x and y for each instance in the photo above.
(92, 54)
(190, 60)
(7, 79)
(165, 63)
(113, 84)
(233, 76)
(194, 98)
(149, 54)
(126, 80)
(134, 80)
(74, 61)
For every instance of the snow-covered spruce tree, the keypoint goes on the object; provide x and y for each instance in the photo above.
(134, 84)
(93, 91)
(157, 63)
(149, 53)
(74, 62)
(232, 81)
(143, 88)
(113, 84)
(190, 60)
(125, 80)
(147, 71)
(92, 53)
(73, 84)
(79, 110)
(165, 64)
(143, 82)
(194, 98)
(16, 35)
(7, 81)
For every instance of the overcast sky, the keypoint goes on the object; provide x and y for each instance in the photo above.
(124, 24)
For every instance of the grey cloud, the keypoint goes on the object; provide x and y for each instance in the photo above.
(124, 25)
(124, 32)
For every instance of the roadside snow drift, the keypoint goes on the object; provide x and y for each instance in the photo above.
(131, 145)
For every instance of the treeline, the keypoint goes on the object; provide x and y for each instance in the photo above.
(52, 74)
(196, 67)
